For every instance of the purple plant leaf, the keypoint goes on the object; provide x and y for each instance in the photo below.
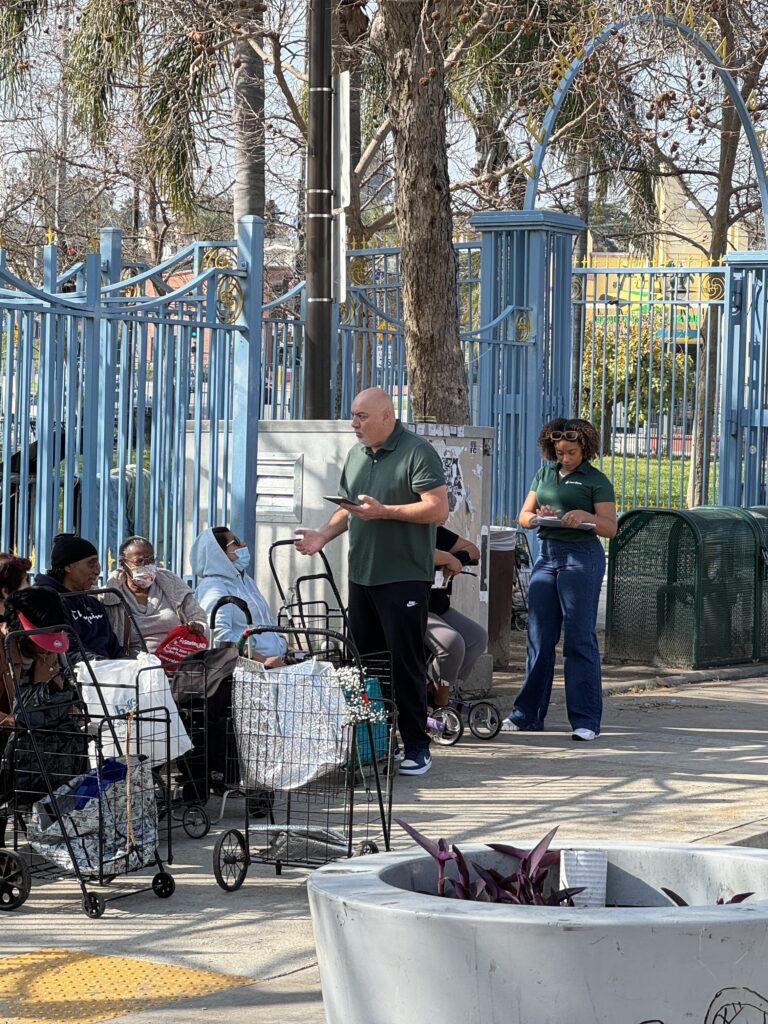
(550, 858)
(740, 897)
(491, 886)
(539, 877)
(538, 852)
(460, 891)
(674, 897)
(496, 876)
(438, 850)
(526, 889)
(444, 851)
(462, 867)
(509, 881)
(564, 895)
(510, 851)
(479, 892)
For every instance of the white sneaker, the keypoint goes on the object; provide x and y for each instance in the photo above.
(583, 735)
(508, 725)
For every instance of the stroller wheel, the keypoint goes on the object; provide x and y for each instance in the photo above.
(484, 720)
(520, 621)
(230, 860)
(163, 885)
(15, 880)
(93, 904)
(195, 821)
(445, 726)
(365, 848)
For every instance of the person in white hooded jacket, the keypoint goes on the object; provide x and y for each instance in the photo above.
(219, 560)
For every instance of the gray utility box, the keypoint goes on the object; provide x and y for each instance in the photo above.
(301, 460)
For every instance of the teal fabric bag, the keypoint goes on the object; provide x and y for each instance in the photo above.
(379, 731)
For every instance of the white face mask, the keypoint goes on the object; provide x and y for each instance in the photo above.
(144, 575)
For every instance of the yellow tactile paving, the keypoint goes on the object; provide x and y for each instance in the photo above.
(64, 986)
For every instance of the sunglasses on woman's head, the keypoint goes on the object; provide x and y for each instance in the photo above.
(565, 435)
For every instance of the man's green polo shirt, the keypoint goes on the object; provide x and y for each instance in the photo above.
(389, 550)
(581, 489)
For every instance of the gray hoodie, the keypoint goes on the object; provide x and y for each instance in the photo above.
(219, 577)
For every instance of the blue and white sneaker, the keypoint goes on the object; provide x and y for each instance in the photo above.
(415, 762)
(516, 723)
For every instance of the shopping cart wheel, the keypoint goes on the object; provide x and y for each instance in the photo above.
(365, 848)
(15, 880)
(195, 821)
(163, 885)
(445, 726)
(484, 720)
(93, 904)
(230, 860)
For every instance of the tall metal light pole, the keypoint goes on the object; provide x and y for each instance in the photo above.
(317, 348)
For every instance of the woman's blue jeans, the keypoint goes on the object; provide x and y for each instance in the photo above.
(563, 596)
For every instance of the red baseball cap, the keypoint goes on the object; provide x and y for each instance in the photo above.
(57, 642)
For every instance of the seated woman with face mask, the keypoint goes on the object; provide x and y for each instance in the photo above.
(219, 560)
(158, 600)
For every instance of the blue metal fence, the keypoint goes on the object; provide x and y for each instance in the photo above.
(744, 421)
(130, 396)
(648, 341)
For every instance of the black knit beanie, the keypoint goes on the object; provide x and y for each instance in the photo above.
(68, 548)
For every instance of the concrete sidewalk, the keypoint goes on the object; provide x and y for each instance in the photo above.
(682, 761)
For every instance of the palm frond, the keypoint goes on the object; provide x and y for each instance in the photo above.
(179, 82)
(103, 46)
(19, 20)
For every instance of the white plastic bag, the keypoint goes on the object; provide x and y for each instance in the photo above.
(291, 723)
(138, 685)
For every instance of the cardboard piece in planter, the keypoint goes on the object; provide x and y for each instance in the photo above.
(588, 868)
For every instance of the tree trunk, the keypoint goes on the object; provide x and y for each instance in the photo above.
(248, 124)
(350, 27)
(606, 427)
(410, 40)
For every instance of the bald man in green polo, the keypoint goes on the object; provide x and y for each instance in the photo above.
(398, 479)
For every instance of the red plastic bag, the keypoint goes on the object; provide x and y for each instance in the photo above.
(178, 645)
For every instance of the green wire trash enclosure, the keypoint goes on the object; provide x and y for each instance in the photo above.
(687, 589)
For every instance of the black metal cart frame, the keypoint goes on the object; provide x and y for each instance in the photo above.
(16, 865)
(234, 854)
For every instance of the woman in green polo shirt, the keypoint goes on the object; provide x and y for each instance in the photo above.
(571, 504)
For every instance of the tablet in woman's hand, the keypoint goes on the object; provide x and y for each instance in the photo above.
(550, 521)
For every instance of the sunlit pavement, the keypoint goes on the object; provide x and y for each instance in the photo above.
(684, 762)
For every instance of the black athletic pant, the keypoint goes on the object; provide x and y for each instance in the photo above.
(393, 617)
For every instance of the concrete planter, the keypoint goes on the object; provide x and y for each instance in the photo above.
(389, 954)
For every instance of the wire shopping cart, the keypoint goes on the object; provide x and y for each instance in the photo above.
(318, 737)
(80, 796)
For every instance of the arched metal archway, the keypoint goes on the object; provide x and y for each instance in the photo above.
(602, 36)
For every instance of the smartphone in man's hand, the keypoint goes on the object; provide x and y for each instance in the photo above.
(338, 500)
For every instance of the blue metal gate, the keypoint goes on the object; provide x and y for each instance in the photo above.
(117, 389)
(744, 442)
